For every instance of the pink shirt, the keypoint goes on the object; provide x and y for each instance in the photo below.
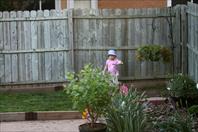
(112, 66)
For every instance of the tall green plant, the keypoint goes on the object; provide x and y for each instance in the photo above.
(176, 123)
(90, 89)
(126, 113)
(182, 86)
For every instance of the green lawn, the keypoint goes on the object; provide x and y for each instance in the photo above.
(29, 102)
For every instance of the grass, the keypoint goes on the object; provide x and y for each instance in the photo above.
(29, 102)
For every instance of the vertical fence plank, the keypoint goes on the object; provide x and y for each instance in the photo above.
(71, 38)
(21, 46)
(130, 43)
(53, 38)
(14, 46)
(1, 30)
(2, 78)
(27, 43)
(149, 39)
(137, 67)
(184, 39)
(143, 40)
(7, 46)
(47, 43)
(34, 42)
(67, 56)
(177, 44)
(60, 44)
(40, 44)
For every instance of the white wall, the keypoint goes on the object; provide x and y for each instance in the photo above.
(169, 3)
(82, 4)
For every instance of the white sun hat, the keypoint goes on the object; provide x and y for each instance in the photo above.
(112, 52)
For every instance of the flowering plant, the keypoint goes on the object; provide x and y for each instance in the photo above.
(126, 113)
(181, 85)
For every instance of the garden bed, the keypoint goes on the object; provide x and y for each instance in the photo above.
(29, 102)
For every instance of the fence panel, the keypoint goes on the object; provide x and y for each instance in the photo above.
(41, 46)
(124, 30)
(193, 40)
(33, 46)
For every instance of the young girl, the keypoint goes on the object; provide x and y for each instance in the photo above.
(112, 65)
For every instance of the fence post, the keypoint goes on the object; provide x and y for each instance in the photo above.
(184, 38)
(71, 37)
(176, 44)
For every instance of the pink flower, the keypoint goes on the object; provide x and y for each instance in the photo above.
(124, 89)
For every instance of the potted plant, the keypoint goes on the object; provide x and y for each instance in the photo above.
(183, 90)
(154, 53)
(92, 90)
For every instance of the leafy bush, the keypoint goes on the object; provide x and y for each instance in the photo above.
(193, 110)
(90, 89)
(126, 113)
(176, 123)
(182, 86)
(154, 53)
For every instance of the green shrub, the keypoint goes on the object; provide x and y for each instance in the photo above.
(154, 53)
(182, 86)
(90, 89)
(193, 110)
(176, 123)
(126, 113)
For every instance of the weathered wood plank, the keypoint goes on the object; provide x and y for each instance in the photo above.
(14, 46)
(21, 46)
(143, 40)
(71, 39)
(137, 43)
(1, 30)
(67, 62)
(53, 44)
(47, 44)
(60, 44)
(184, 39)
(2, 64)
(34, 41)
(27, 43)
(40, 45)
(7, 46)
(131, 40)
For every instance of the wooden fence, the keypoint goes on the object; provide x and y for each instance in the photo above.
(41, 46)
(192, 13)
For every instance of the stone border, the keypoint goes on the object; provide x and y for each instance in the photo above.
(40, 115)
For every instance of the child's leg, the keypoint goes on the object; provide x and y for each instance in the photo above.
(115, 80)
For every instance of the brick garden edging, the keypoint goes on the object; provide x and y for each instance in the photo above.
(45, 115)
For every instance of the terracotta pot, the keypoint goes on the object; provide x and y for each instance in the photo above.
(97, 127)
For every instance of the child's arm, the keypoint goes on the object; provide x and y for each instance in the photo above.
(120, 62)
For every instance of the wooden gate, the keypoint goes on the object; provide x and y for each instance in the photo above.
(192, 13)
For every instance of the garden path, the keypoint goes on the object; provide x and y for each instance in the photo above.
(41, 126)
